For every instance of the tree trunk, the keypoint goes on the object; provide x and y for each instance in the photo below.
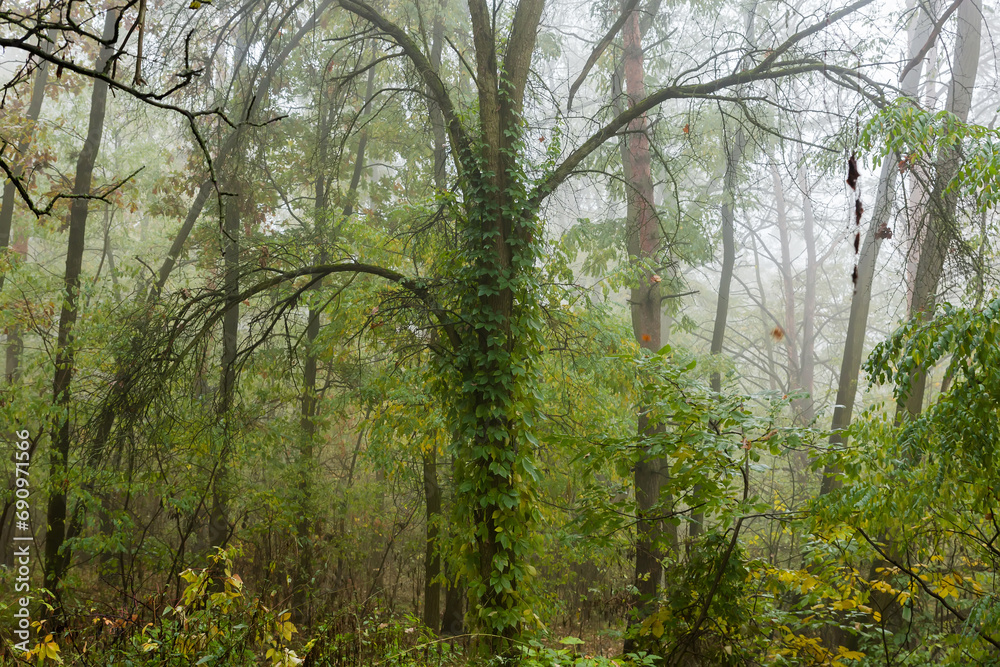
(453, 618)
(807, 363)
(310, 394)
(734, 155)
(936, 234)
(858, 321)
(57, 553)
(307, 422)
(432, 556)
(496, 353)
(941, 226)
(15, 344)
(180, 239)
(644, 244)
(219, 524)
(32, 115)
(790, 334)
(765, 318)
(432, 488)
(857, 324)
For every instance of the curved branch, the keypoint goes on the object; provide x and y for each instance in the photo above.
(776, 53)
(915, 60)
(612, 128)
(418, 288)
(599, 49)
(424, 68)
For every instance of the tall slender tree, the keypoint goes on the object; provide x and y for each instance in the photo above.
(940, 227)
(645, 249)
(57, 552)
(850, 368)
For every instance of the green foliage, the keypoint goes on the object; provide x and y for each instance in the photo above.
(919, 491)
(958, 433)
(711, 441)
(916, 135)
(536, 654)
(523, 386)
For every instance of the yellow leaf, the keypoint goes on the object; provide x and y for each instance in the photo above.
(52, 651)
(850, 655)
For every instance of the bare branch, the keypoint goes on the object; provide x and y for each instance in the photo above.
(560, 173)
(47, 209)
(598, 50)
(811, 30)
(915, 60)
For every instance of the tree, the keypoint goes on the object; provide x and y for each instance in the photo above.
(647, 253)
(14, 342)
(56, 556)
(865, 270)
(940, 228)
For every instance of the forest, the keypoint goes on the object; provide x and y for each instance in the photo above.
(513, 332)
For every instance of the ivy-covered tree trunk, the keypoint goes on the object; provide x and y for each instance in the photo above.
(496, 405)
(496, 351)
(57, 552)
